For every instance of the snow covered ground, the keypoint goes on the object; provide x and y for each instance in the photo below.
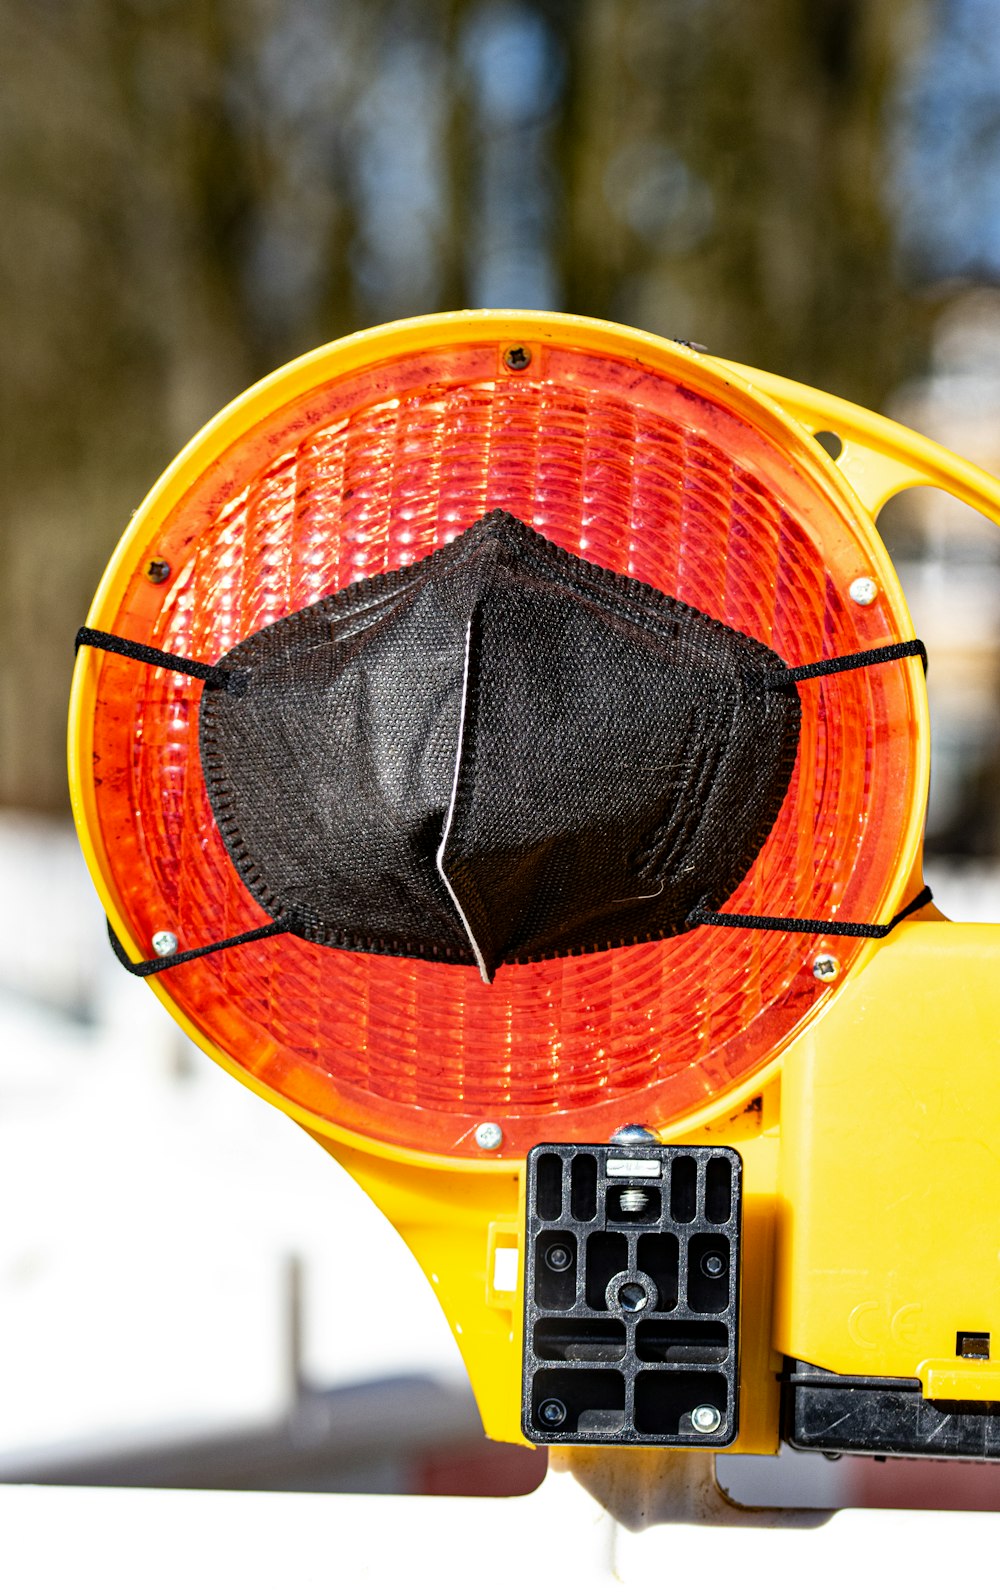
(154, 1209)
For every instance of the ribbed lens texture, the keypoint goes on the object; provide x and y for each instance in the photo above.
(640, 475)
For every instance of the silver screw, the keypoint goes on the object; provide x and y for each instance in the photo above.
(826, 968)
(164, 942)
(634, 1200)
(705, 1418)
(553, 1412)
(863, 591)
(632, 1296)
(634, 1133)
(489, 1135)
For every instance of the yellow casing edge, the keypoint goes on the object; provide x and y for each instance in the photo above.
(858, 1126)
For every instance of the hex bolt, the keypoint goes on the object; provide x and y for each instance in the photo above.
(712, 1264)
(863, 591)
(517, 358)
(634, 1200)
(826, 968)
(706, 1419)
(157, 570)
(489, 1135)
(164, 942)
(552, 1412)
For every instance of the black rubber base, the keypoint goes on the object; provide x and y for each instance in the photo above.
(882, 1415)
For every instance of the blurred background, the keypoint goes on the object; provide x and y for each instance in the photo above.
(194, 191)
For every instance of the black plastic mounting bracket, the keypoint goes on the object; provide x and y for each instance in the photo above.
(631, 1307)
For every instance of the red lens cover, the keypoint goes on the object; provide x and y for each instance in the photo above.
(636, 470)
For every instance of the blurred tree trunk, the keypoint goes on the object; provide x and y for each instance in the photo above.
(196, 190)
(119, 325)
(728, 174)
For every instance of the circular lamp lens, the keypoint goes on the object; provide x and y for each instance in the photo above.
(367, 456)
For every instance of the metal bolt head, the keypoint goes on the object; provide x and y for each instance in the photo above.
(552, 1412)
(164, 942)
(634, 1133)
(517, 358)
(632, 1296)
(157, 570)
(706, 1419)
(558, 1257)
(712, 1264)
(826, 968)
(863, 591)
(489, 1135)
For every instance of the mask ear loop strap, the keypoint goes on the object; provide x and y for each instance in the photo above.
(210, 673)
(855, 660)
(163, 964)
(858, 931)
(700, 918)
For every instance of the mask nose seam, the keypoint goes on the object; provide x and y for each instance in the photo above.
(484, 972)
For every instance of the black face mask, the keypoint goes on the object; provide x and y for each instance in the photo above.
(499, 754)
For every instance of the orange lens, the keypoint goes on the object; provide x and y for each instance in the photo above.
(637, 470)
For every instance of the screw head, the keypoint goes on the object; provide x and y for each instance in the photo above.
(552, 1412)
(164, 942)
(632, 1296)
(712, 1264)
(863, 591)
(634, 1133)
(706, 1419)
(517, 358)
(558, 1257)
(157, 570)
(826, 968)
(489, 1135)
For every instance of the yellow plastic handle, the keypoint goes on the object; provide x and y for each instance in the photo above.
(879, 457)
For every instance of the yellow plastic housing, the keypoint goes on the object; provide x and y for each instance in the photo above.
(871, 1143)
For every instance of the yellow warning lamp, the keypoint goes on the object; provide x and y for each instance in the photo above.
(698, 1192)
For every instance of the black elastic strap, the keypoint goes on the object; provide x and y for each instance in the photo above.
(697, 919)
(214, 675)
(106, 642)
(857, 931)
(854, 660)
(162, 964)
